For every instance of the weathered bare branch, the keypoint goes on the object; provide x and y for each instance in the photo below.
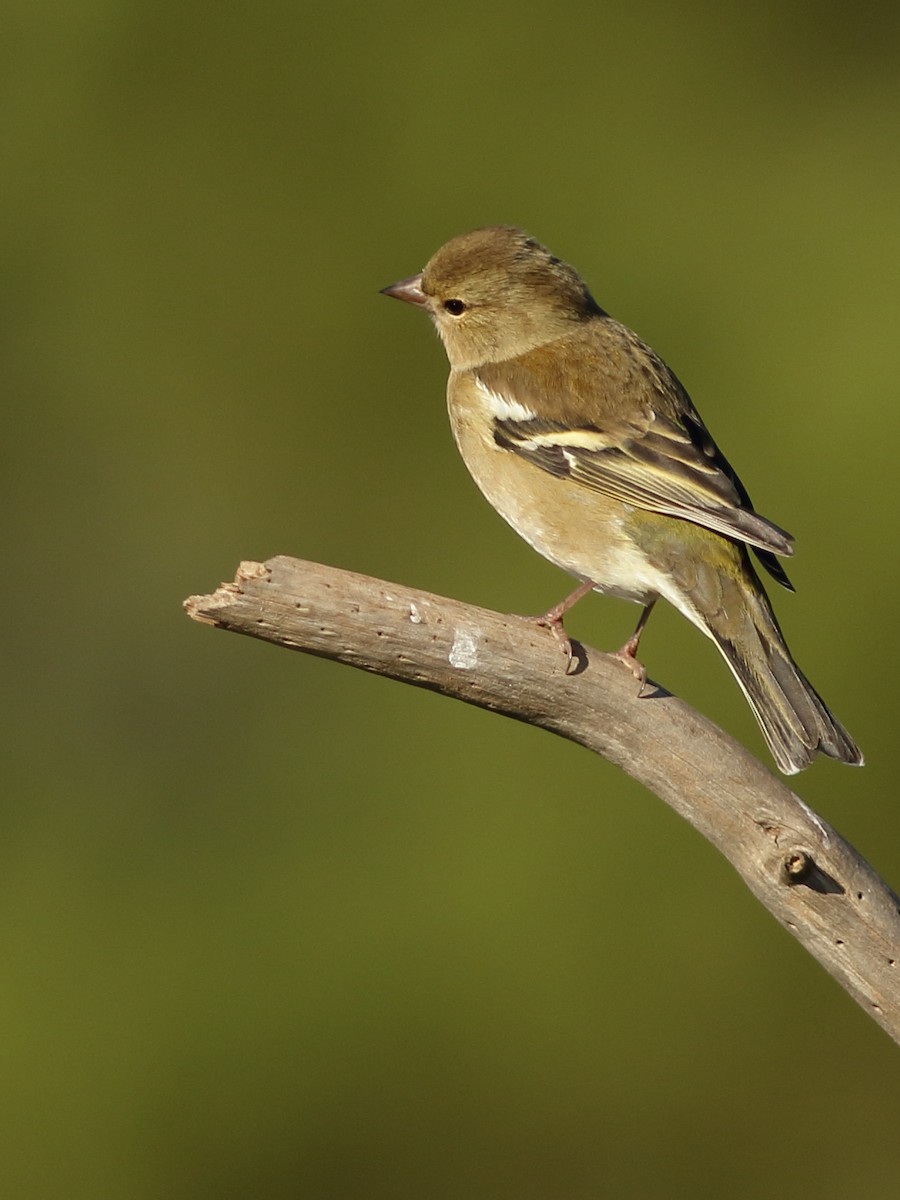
(804, 872)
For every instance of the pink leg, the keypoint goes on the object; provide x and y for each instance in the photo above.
(553, 619)
(628, 653)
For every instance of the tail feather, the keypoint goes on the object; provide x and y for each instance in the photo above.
(794, 719)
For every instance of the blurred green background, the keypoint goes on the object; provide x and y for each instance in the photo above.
(275, 928)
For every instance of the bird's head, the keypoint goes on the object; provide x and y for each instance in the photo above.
(496, 293)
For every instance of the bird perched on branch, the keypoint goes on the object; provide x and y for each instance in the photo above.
(588, 445)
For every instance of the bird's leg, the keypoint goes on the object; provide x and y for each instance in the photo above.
(628, 653)
(553, 619)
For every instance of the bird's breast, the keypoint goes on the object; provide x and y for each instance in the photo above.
(579, 530)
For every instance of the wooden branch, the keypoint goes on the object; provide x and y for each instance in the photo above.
(811, 880)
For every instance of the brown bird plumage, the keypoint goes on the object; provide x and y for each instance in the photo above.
(588, 445)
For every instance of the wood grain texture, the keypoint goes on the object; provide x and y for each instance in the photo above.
(802, 870)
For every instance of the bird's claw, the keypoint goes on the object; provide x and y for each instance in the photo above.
(555, 625)
(626, 656)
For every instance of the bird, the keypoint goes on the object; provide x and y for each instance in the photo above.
(588, 445)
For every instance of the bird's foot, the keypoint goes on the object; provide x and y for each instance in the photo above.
(626, 654)
(555, 625)
(553, 620)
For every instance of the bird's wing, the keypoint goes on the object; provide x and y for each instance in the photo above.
(662, 461)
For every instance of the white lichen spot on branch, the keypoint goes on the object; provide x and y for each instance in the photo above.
(464, 651)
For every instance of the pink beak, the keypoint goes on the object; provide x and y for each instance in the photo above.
(409, 290)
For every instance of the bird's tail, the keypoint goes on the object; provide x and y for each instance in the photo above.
(795, 721)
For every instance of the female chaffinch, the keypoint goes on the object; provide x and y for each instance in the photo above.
(588, 445)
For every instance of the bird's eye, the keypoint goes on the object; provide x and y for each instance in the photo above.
(456, 308)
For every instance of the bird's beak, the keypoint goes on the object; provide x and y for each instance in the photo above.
(409, 290)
